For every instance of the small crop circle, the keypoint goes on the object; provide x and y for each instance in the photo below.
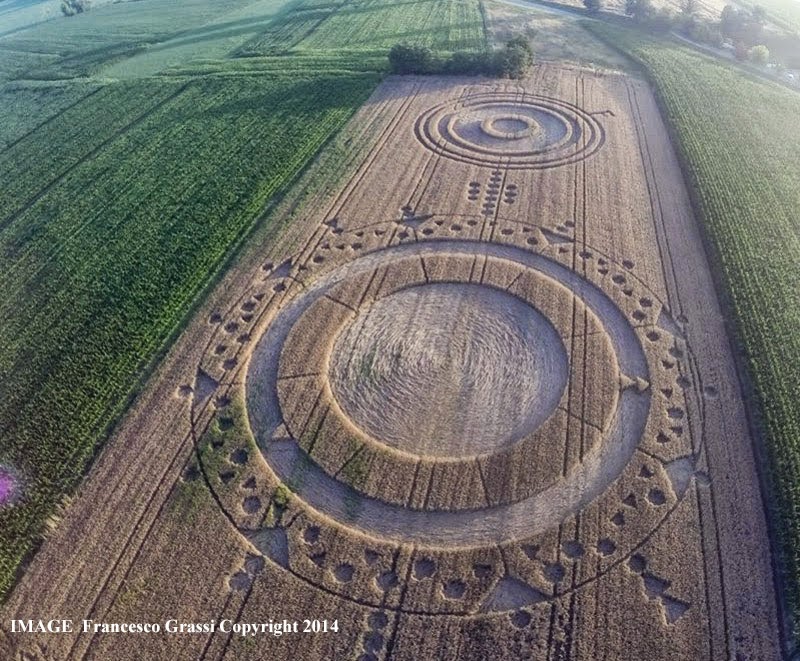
(524, 131)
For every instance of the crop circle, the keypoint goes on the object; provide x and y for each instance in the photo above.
(510, 127)
(491, 366)
(522, 131)
(320, 443)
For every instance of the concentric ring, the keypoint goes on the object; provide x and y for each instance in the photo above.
(522, 131)
(492, 524)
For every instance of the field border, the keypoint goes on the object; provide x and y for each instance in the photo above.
(788, 623)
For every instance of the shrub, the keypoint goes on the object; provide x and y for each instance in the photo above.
(758, 54)
(411, 59)
(513, 61)
(72, 7)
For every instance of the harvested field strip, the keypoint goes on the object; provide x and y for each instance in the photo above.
(744, 169)
(108, 259)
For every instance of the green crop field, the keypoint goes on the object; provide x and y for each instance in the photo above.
(739, 141)
(785, 12)
(137, 153)
(445, 25)
(109, 234)
(85, 44)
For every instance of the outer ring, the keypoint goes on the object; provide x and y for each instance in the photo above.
(498, 524)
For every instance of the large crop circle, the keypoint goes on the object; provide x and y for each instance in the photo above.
(288, 384)
(521, 131)
(489, 365)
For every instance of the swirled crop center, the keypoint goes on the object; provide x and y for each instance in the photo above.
(498, 523)
(491, 367)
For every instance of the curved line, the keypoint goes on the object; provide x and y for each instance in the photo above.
(425, 124)
(441, 528)
(549, 400)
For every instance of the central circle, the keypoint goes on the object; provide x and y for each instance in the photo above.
(448, 370)
(509, 127)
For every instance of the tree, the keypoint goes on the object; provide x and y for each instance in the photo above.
(411, 58)
(592, 5)
(689, 7)
(758, 54)
(662, 20)
(639, 9)
(515, 59)
(741, 26)
(759, 15)
(72, 7)
(470, 63)
(705, 33)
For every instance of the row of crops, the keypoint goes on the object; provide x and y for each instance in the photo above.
(739, 141)
(446, 25)
(115, 214)
(81, 45)
(163, 33)
(24, 107)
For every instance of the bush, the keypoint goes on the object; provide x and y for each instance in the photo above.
(411, 58)
(704, 33)
(661, 21)
(742, 26)
(655, 20)
(72, 7)
(639, 9)
(758, 54)
(469, 63)
(513, 61)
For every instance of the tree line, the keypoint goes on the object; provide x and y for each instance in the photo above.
(512, 61)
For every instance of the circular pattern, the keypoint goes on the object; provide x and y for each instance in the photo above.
(510, 127)
(490, 366)
(624, 490)
(521, 131)
(498, 521)
(312, 415)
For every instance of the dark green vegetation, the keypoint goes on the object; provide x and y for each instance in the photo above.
(513, 61)
(122, 200)
(741, 149)
(114, 217)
